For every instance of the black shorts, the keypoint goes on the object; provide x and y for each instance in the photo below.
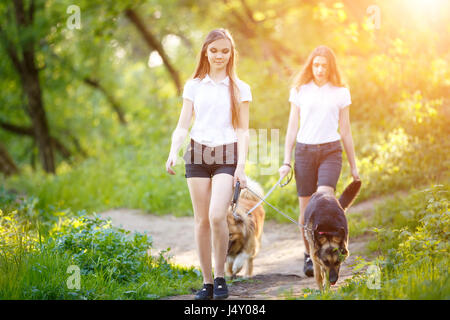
(317, 165)
(205, 162)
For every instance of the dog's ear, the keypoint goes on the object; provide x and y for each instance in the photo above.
(349, 195)
(343, 247)
(317, 234)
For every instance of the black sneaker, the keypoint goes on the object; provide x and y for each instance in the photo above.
(206, 293)
(308, 267)
(220, 289)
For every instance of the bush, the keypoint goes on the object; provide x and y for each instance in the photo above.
(114, 264)
(95, 246)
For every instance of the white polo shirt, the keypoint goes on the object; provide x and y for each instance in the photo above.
(212, 107)
(319, 111)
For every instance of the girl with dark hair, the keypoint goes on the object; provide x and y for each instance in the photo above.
(321, 101)
(215, 158)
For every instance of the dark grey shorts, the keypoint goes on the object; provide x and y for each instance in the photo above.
(205, 162)
(317, 165)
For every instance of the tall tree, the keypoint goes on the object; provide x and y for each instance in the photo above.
(21, 51)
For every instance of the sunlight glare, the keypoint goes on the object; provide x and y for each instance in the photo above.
(425, 5)
(154, 60)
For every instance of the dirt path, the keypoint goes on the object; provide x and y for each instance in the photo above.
(277, 268)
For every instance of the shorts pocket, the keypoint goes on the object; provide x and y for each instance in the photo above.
(302, 153)
(335, 151)
(335, 147)
(299, 148)
(230, 154)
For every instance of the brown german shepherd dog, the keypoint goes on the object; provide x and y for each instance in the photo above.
(245, 231)
(327, 232)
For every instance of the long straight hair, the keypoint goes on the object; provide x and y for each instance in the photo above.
(306, 74)
(203, 68)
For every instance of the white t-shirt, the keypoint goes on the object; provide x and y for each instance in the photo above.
(319, 111)
(212, 107)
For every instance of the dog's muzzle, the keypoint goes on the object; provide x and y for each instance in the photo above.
(333, 277)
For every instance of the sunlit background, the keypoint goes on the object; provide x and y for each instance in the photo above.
(89, 98)
(110, 76)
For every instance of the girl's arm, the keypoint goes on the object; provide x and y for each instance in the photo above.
(243, 138)
(180, 133)
(291, 137)
(347, 139)
(291, 133)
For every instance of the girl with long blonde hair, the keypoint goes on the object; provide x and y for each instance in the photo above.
(215, 159)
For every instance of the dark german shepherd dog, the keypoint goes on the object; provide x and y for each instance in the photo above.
(327, 232)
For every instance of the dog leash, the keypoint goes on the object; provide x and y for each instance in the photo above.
(273, 207)
(268, 193)
(280, 212)
(237, 191)
(234, 202)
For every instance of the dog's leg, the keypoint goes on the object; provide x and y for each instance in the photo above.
(249, 267)
(239, 262)
(317, 273)
(326, 280)
(229, 266)
(316, 265)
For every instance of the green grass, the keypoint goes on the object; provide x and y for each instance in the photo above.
(113, 263)
(44, 276)
(129, 177)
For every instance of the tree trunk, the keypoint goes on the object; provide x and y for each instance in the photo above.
(7, 165)
(32, 88)
(154, 44)
(29, 76)
(28, 131)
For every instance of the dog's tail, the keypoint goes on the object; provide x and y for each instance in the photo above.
(255, 187)
(349, 195)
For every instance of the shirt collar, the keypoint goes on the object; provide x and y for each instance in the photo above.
(225, 81)
(316, 86)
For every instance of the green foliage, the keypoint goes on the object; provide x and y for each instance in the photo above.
(95, 246)
(398, 75)
(404, 215)
(398, 91)
(413, 239)
(114, 264)
(132, 177)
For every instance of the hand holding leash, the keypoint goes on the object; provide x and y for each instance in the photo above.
(291, 174)
(237, 191)
(284, 172)
(234, 202)
(239, 176)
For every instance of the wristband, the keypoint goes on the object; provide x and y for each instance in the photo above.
(287, 164)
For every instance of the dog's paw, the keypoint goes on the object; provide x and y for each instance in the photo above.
(239, 262)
